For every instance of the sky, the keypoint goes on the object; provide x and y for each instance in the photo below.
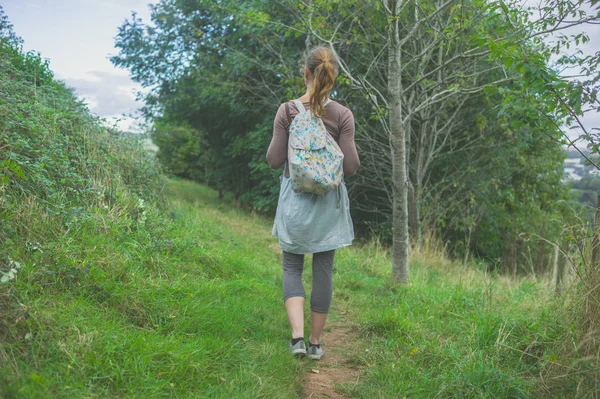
(77, 36)
(590, 119)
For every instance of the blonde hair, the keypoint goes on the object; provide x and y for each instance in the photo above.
(323, 65)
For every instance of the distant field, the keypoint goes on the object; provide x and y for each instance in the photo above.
(149, 145)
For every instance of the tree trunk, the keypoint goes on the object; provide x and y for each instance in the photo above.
(513, 257)
(398, 148)
(558, 268)
(540, 262)
(467, 245)
(414, 214)
(220, 187)
(510, 254)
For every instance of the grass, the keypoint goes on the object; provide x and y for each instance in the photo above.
(190, 307)
(450, 333)
(195, 312)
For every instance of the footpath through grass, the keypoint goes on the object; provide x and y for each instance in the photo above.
(196, 312)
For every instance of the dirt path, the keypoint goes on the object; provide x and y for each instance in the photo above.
(336, 367)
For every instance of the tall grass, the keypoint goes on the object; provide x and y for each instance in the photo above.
(179, 308)
(575, 370)
(452, 332)
(190, 306)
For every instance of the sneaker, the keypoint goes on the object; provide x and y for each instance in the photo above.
(314, 352)
(299, 349)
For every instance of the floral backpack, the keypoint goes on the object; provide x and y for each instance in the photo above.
(316, 162)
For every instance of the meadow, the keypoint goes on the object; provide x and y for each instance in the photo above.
(196, 311)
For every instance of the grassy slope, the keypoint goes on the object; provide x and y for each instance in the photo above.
(192, 313)
(451, 333)
(196, 312)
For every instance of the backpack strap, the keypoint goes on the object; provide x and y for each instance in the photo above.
(299, 105)
(287, 114)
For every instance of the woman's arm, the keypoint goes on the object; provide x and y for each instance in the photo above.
(347, 131)
(277, 152)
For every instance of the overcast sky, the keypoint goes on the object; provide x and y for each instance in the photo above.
(590, 119)
(78, 38)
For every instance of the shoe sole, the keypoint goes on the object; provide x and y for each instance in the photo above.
(299, 352)
(315, 357)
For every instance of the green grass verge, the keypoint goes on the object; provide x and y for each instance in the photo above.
(194, 311)
(190, 306)
(451, 333)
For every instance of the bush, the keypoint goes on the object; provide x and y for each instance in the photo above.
(63, 175)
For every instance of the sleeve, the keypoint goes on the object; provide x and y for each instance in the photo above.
(346, 142)
(277, 152)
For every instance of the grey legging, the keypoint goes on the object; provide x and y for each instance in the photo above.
(322, 266)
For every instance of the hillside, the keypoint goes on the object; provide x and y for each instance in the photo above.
(576, 166)
(195, 311)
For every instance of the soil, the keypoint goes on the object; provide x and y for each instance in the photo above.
(336, 367)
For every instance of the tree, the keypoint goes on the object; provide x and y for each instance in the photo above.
(398, 130)
(473, 39)
(212, 70)
(208, 59)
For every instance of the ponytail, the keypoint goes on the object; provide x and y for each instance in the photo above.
(323, 65)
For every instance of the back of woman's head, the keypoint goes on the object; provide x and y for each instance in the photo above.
(323, 66)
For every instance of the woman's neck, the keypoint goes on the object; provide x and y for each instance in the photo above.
(306, 97)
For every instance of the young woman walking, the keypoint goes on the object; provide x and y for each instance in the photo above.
(310, 223)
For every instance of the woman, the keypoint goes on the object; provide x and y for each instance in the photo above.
(310, 223)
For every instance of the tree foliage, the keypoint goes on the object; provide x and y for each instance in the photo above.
(216, 72)
(54, 153)
(484, 169)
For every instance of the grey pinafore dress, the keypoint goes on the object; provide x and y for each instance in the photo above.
(308, 223)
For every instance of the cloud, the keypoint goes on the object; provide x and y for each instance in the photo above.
(121, 6)
(589, 121)
(107, 93)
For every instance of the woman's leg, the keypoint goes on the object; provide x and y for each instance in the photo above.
(293, 292)
(322, 292)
